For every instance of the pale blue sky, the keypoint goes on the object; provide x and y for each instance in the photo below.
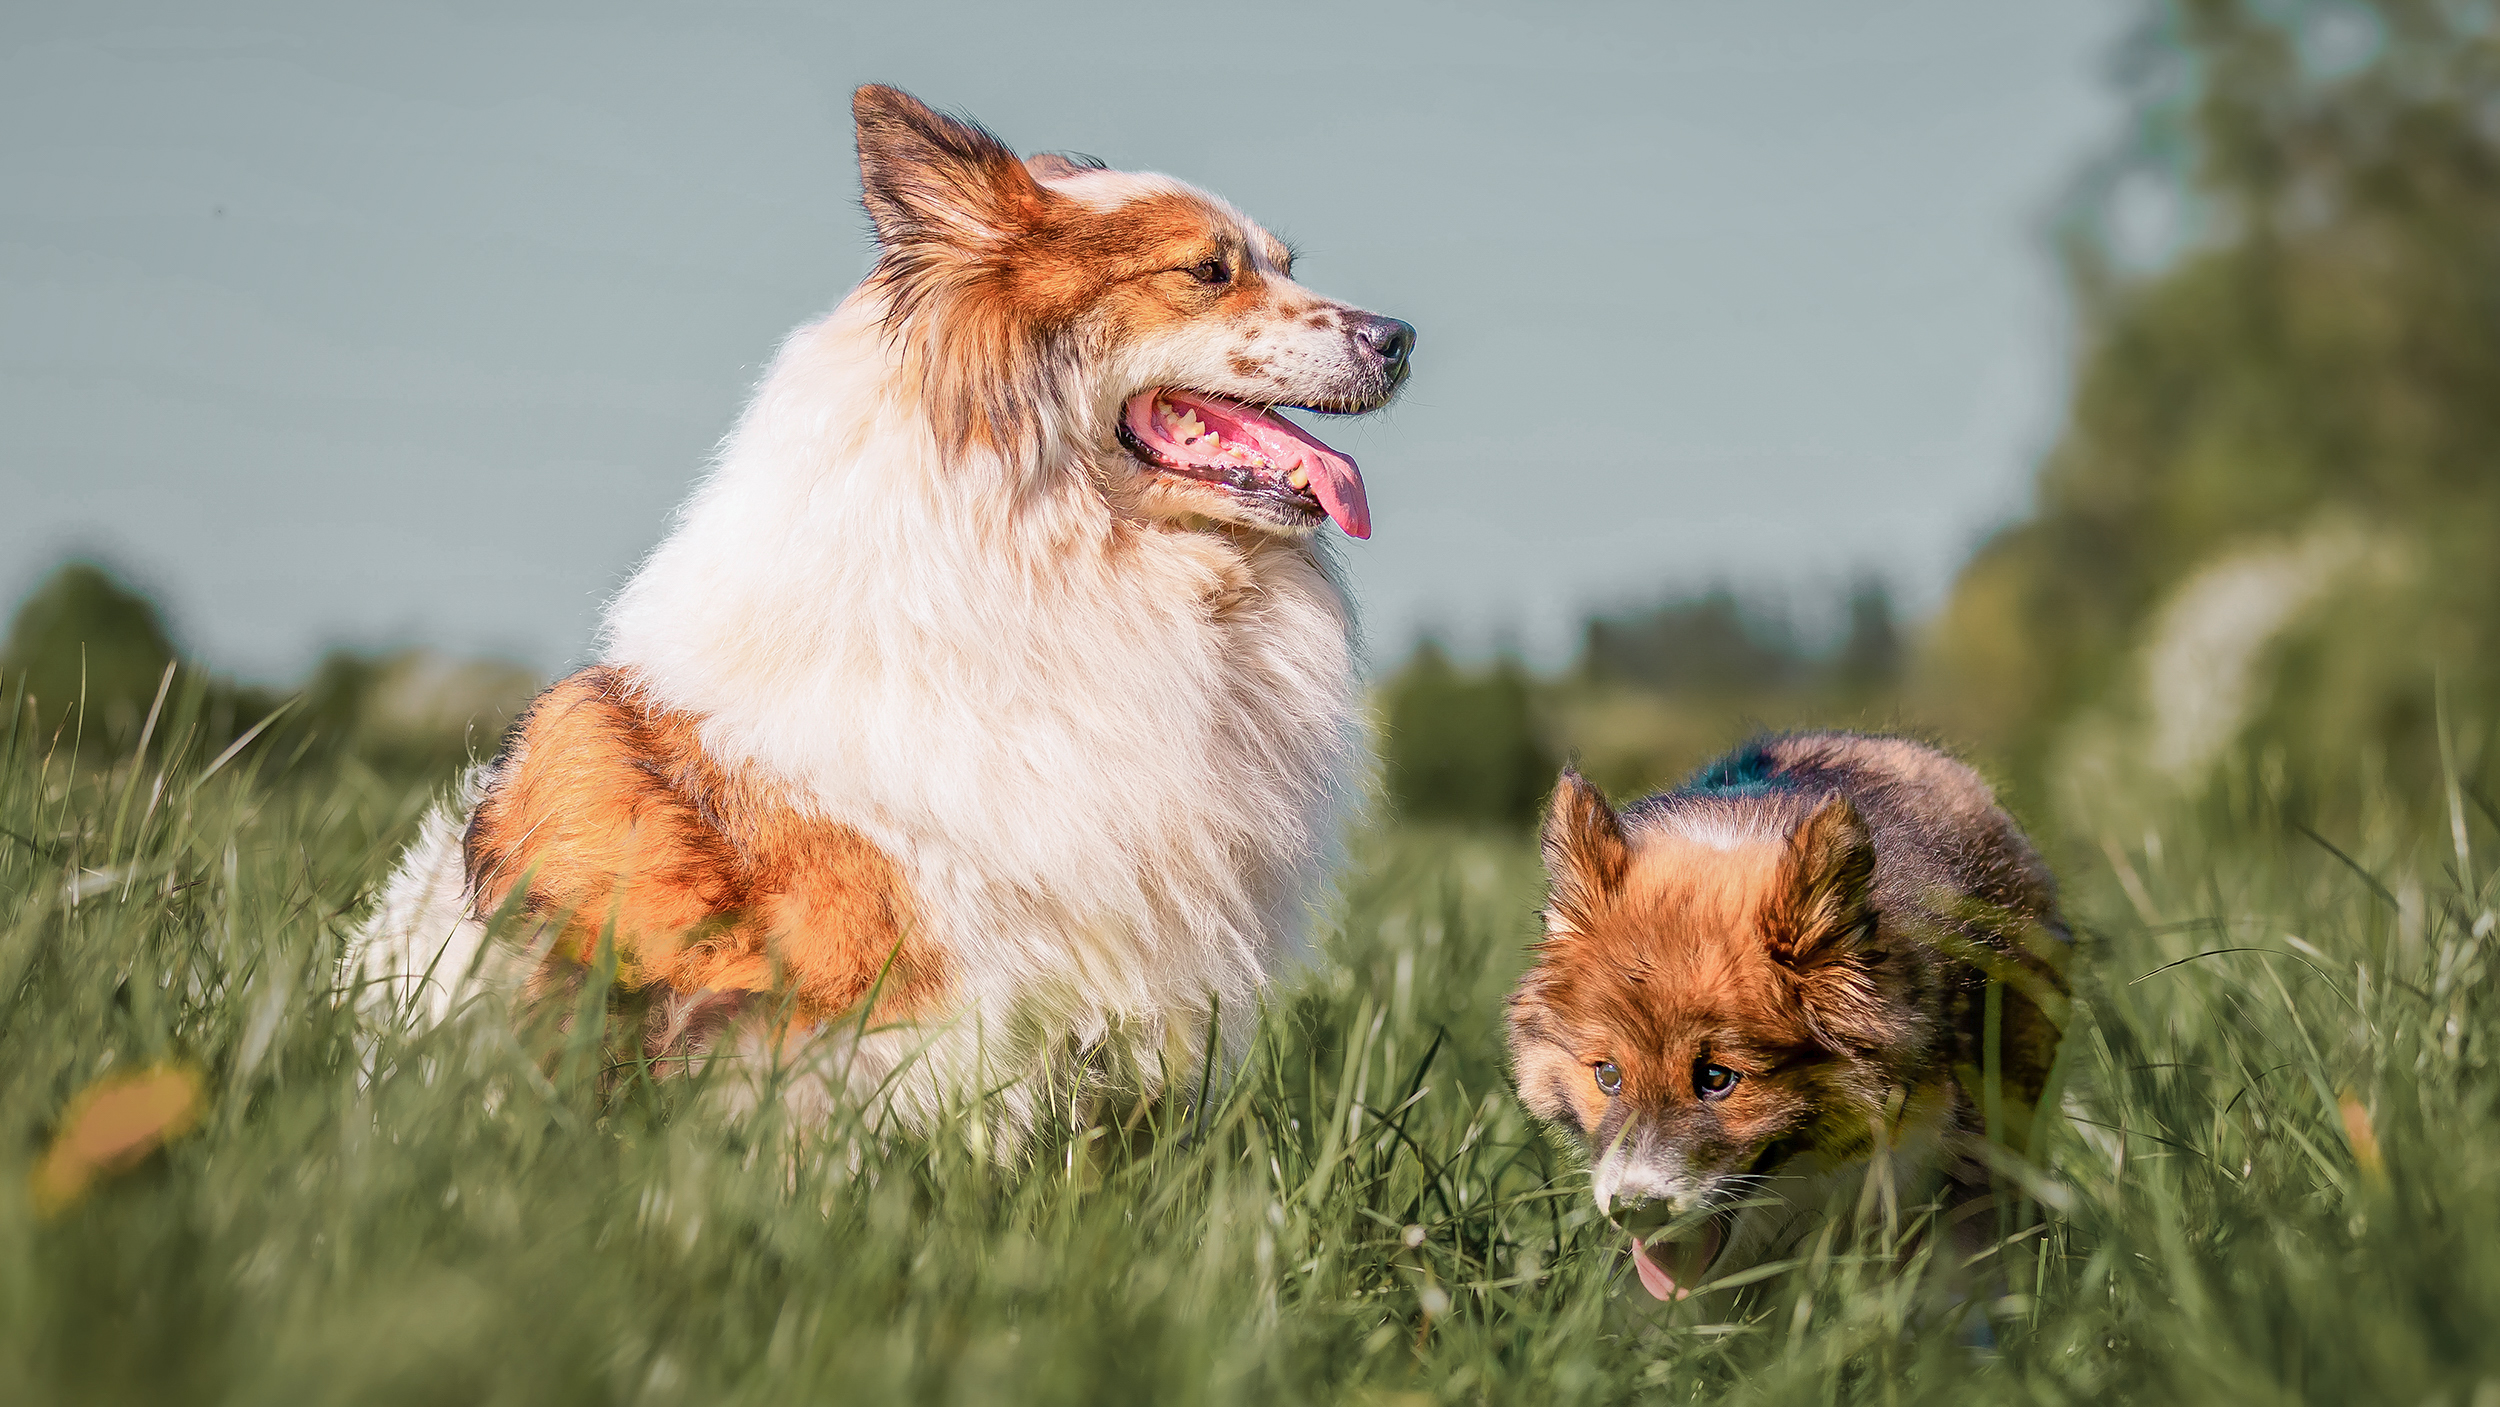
(411, 325)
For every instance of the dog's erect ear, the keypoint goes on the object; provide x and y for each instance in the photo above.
(929, 179)
(1821, 927)
(1826, 887)
(1585, 852)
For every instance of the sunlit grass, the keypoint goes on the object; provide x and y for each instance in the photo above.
(2280, 1179)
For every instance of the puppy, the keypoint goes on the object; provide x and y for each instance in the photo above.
(996, 674)
(1823, 946)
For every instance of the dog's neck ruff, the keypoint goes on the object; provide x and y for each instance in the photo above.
(1112, 756)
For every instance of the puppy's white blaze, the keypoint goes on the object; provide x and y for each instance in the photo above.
(1621, 1176)
(1606, 1180)
(1718, 832)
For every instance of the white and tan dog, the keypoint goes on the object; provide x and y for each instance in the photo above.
(995, 669)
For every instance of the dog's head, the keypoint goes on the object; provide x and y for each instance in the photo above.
(1708, 1003)
(1058, 312)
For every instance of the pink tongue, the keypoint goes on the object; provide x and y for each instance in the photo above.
(1334, 479)
(1688, 1259)
(1654, 1277)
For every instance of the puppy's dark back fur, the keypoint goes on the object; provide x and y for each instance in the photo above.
(1935, 823)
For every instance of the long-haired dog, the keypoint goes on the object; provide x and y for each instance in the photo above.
(1823, 949)
(995, 672)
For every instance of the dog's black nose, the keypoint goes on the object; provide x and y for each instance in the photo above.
(1390, 340)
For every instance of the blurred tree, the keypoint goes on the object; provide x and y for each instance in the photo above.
(2288, 283)
(1712, 644)
(1463, 745)
(1656, 692)
(84, 633)
(405, 714)
(412, 712)
(1870, 657)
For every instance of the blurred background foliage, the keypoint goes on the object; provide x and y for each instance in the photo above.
(1655, 692)
(2271, 517)
(2264, 537)
(87, 634)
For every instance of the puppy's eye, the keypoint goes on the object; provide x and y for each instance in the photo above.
(1609, 1078)
(1211, 271)
(1714, 1081)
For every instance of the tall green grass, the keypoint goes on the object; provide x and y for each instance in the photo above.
(2280, 1180)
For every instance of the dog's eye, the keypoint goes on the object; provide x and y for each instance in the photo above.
(1211, 271)
(1714, 1081)
(1609, 1078)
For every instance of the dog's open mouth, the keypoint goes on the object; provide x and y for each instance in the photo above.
(1673, 1254)
(1246, 451)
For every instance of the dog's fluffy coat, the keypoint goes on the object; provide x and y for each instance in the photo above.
(1753, 984)
(945, 684)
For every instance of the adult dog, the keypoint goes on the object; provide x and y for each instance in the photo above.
(994, 677)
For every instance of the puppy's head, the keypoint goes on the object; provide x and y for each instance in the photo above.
(1057, 311)
(1707, 1005)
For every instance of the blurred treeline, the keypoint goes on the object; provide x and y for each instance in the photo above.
(87, 637)
(2265, 549)
(1654, 693)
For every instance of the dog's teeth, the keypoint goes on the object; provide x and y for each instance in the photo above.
(1299, 478)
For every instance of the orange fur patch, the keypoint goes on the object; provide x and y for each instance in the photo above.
(613, 815)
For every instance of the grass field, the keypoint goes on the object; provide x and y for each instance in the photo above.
(2280, 1180)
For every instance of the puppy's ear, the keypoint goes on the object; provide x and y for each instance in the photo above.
(929, 179)
(1826, 888)
(1585, 852)
(1821, 928)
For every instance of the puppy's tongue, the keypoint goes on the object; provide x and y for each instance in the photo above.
(1282, 446)
(1669, 1269)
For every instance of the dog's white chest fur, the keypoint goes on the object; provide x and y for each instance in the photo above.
(1111, 760)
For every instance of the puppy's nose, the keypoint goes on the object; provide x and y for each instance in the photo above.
(1389, 339)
